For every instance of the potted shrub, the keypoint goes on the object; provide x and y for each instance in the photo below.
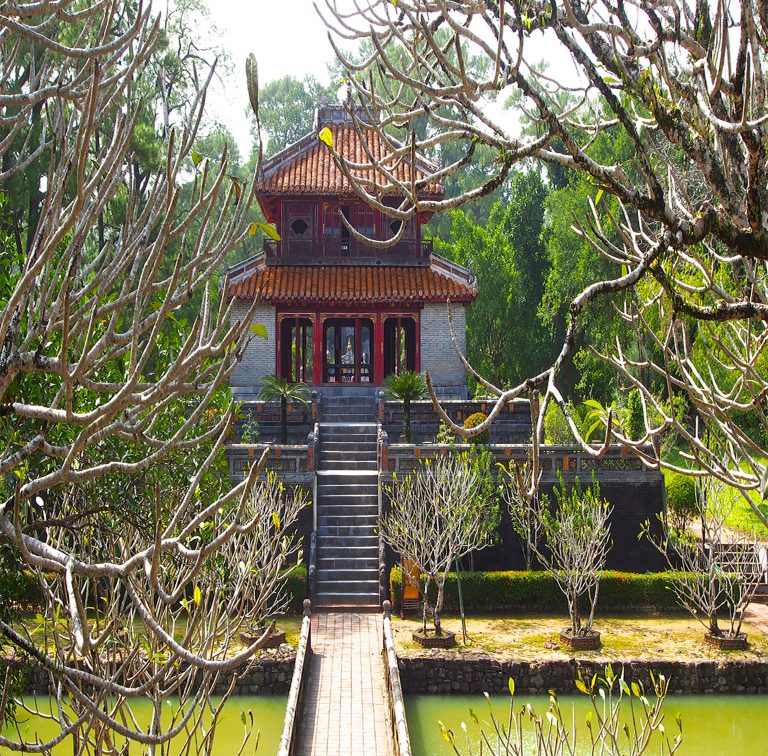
(716, 576)
(576, 537)
(437, 517)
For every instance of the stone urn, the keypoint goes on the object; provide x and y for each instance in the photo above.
(728, 642)
(430, 639)
(274, 641)
(586, 641)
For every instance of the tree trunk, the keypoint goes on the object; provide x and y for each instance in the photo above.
(439, 607)
(425, 606)
(407, 420)
(573, 606)
(283, 421)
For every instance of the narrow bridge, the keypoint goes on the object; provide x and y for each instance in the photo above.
(345, 708)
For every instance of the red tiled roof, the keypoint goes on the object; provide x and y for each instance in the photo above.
(351, 283)
(309, 168)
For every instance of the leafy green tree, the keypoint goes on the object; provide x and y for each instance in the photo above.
(287, 109)
(277, 389)
(509, 257)
(406, 387)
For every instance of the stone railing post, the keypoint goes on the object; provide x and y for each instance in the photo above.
(383, 448)
(312, 572)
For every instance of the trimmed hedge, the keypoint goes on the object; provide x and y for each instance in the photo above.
(297, 588)
(536, 591)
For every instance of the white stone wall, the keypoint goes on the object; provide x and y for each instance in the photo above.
(437, 351)
(258, 359)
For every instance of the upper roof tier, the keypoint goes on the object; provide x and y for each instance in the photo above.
(308, 167)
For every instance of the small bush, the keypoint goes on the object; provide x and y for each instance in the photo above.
(536, 591)
(297, 588)
(472, 422)
(556, 428)
(681, 500)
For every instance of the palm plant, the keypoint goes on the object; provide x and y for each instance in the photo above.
(406, 387)
(275, 388)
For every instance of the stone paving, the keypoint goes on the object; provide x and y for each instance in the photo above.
(757, 615)
(345, 707)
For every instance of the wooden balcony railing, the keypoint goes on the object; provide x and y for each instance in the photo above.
(345, 252)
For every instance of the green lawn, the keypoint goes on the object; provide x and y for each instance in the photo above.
(742, 516)
(623, 637)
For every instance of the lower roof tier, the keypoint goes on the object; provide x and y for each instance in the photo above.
(349, 284)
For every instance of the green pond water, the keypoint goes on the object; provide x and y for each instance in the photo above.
(711, 724)
(268, 712)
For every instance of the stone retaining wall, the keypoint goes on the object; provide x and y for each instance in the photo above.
(441, 673)
(268, 674)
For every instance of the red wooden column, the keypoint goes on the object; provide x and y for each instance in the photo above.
(318, 357)
(378, 350)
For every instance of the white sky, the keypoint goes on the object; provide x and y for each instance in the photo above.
(287, 37)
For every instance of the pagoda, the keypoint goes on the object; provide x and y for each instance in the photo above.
(340, 313)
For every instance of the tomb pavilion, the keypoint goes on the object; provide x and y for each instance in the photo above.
(340, 313)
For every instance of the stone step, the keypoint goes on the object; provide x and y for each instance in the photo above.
(347, 429)
(332, 402)
(346, 575)
(370, 587)
(347, 498)
(333, 551)
(359, 441)
(348, 542)
(348, 563)
(368, 511)
(351, 454)
(349, 465)
(347, 518)
(347, 494)
(346, 476)
(347, 418)
(344, 493)
(369, 448)
(339, 602)
(341, 530)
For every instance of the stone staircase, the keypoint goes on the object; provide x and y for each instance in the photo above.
(347, 504)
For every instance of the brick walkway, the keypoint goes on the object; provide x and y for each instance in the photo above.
(757, 615)
(345, 707)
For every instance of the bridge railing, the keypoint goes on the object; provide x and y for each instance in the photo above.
(293, 708)
(394, 688)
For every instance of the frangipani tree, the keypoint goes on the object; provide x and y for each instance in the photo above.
(571, 538)
(718, 571)
(436, 517)
(681, 220)
(104, 389)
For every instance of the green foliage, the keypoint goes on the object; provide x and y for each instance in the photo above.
(277, 389)
(537, 591)
(473, 421)
(635, 424)
(556, 428)
(296, 586)
(445, 435)
(287, 109)
(508, 255)
(406, 387)
(18, 586)
(274, 388)
(681, 499)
